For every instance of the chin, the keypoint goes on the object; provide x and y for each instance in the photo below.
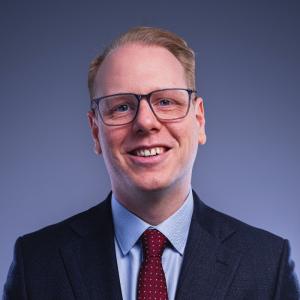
(151, 185)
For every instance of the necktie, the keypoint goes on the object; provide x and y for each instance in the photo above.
(151, 281)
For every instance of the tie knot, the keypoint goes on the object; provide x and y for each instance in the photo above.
(154, 243)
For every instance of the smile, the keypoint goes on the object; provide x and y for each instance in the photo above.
(149, 151)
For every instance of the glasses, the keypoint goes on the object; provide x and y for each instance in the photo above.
(122, 108)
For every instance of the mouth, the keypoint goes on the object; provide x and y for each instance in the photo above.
(149, 151)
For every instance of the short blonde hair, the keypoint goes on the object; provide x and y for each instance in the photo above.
(149, 36)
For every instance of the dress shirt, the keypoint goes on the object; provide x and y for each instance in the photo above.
(128, 247)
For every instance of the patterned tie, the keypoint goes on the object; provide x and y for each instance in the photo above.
(152, 282)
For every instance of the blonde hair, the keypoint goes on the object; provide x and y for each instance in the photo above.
(149, 36)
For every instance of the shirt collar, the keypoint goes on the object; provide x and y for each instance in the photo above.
(129, 227)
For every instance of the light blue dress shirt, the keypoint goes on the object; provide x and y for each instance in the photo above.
(129, 228)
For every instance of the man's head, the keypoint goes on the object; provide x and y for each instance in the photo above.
(133, 64)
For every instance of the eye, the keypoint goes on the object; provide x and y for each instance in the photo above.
(165, 102)
(121, 108)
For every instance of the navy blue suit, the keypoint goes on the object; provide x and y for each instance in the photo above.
(224, 259)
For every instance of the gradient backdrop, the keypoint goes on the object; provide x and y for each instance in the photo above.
(248, 67)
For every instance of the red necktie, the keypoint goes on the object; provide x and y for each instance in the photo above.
(151, 281)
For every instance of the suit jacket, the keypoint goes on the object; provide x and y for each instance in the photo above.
(224, 259)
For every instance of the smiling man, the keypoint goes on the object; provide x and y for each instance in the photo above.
(152, 238)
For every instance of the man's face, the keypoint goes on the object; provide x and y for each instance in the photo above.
(141, 69)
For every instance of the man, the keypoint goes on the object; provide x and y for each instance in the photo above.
(152, 238)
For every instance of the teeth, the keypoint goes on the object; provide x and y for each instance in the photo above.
(149, 152)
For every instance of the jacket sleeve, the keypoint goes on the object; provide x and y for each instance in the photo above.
(14, 288)
(287, 285)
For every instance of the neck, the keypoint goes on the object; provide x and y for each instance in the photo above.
(153, 206)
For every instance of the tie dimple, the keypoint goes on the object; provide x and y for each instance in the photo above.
(151, 281)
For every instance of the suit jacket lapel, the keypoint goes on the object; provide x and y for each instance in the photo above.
(208, 266)
(90, 260)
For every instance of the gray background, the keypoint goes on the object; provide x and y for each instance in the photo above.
(248, 73)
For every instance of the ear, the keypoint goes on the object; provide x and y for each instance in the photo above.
(199, 108)
(93, 123)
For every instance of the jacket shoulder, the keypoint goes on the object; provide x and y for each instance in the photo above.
(235, 233)
(63, 232)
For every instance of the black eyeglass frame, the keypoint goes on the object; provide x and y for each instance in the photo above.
(139, 97)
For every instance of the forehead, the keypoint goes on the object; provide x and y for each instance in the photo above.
(140, 69)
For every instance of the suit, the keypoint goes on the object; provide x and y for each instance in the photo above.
(224, 259)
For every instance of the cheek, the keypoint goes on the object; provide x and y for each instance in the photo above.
(187, 134)
(105, 143)
(189, 142)
(110, 155)
(111, 140)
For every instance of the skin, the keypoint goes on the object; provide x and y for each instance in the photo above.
(152, 188)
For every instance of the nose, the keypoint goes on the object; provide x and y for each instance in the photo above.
(146, 121)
